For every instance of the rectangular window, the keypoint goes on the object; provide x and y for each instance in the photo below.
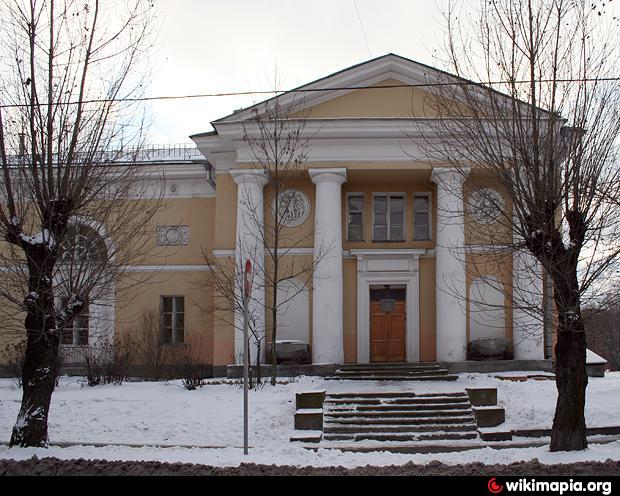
(75, 332)
(388, 217)
(355, 217)
(421, 216)
(172, 319)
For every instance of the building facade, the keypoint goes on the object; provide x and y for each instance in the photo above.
(403, 269)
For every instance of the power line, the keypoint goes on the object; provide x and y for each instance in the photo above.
(314, 90)
(362, 26)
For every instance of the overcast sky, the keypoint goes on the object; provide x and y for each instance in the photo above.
(211, 46)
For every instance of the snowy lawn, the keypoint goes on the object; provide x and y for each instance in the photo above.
(206, 425)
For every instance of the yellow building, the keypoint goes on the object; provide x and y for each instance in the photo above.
(402, 273)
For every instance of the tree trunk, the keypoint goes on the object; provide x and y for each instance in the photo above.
(569, 426)
(39, 380)
(42, 347)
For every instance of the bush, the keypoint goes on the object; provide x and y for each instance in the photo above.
(191, 372)
(108, 363)
(13, 356)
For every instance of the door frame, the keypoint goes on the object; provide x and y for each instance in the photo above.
(380, 267)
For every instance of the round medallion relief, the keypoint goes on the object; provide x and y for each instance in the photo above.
(485, 205)
(173, 236)
(292, 207)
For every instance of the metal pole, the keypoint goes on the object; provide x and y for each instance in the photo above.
(247, 290)
(245, 376)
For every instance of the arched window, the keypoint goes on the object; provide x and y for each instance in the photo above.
(81, 249)
(82, 244)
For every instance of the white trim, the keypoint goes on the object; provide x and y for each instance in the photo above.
(367, 277)
(168, 268)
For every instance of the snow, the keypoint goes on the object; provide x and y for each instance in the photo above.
(43, 237)
(162, 421)
(594, 359)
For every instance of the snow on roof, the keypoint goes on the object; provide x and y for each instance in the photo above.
(594, 359)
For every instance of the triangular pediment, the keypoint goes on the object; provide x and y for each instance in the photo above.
(387, 88)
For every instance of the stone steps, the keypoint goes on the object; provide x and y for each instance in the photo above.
(397, 417)
(399, 407)
(404, 421)
(363, 402)
(395, 437)
(379, 377)
(434, 410)
(392, 372)
(366, 429)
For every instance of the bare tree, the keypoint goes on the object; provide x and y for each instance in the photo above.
(278, 148)
(68, 220)
(543, 132)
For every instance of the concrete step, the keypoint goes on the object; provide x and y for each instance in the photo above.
(463, 419)
(403, 372)
(365, 429)
(401, 437)
(392, 365)
(392, 395)
(396, 414)
(446, 377)
(398, 401)
(400, 408)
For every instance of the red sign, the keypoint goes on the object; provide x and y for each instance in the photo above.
(247, 279)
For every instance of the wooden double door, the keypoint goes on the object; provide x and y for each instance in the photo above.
(388, 321)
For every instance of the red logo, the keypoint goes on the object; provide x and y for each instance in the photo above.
(494, 487)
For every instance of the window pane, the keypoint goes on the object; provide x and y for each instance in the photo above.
(355, 219)
(180, 301)
(167, 304)
(167, 320)
(166, 335)
(380, 204)
(397, 218)
(380, 220)
(180, 335)
(379, 233)
(180, 320)
(82, 337)
(356, 233)
(396, 203)
(356, 203)
(396, 233)
(67, 336)
(420, 204)
(422, 232)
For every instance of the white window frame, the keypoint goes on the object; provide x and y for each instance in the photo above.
(75, 330)
(390, 194)
(363, 230)
(428, 195)
(175, 335)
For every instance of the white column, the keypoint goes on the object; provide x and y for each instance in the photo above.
(527, 316)
(451, 324)
(327, 311)
(250, 245)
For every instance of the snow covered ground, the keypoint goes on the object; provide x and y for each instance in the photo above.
(206, 425)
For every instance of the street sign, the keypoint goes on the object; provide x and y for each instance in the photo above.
(247, 279)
